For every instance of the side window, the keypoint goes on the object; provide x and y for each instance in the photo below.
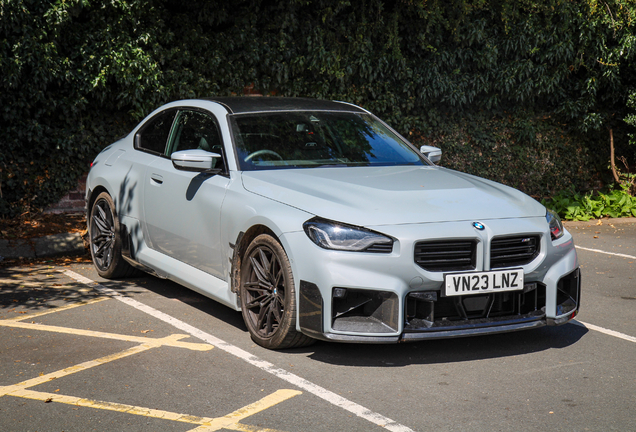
(154, 135)
(196, 130)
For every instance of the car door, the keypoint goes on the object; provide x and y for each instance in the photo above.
(182, 208)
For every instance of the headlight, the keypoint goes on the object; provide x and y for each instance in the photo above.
(556, 226)
(337, 236)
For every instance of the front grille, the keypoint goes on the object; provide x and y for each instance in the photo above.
(513, 251)
(446, 255)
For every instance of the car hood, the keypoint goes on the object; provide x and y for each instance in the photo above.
(371, 196)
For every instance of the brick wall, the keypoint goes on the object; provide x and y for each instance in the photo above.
(73, 202)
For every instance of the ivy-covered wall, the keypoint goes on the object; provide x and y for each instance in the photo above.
(520, 91)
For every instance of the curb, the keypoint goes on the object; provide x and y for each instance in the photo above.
(42, 247)
(603, 221)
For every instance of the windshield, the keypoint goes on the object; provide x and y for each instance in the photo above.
(312, 139)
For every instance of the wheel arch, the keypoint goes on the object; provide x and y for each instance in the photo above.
(93, 196)
(243, 240)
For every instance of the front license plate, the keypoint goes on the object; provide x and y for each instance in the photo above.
(483, 282)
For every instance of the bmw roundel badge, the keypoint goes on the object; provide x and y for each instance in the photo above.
(480, 226)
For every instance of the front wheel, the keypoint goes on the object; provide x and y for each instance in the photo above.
(268, 297)
(105, 239)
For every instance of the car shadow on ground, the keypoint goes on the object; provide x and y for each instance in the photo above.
(34, 289)
(447, 350)
(173, 290)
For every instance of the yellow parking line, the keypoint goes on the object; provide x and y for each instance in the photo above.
(167, 341)
(109, 406)
(9, 390)
(206, 424)
(57, 309)
(232, 419)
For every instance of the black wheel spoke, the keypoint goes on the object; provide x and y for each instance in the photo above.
(278, 279)
(103, 246)
(265, 264)
(260, 272)
(276, 309)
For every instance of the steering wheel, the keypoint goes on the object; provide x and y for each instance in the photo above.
(262, 152)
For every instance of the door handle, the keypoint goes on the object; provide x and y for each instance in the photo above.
(156, 178)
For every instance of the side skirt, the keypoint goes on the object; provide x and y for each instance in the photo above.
(188, 276)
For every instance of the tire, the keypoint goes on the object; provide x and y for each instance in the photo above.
(105, 239)
(268, 297)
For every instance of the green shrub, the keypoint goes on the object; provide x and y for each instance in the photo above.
(534, 154)
(571, 205)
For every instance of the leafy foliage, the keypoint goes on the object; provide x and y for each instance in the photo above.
(613, 203)
(504, 86)
(535, 154)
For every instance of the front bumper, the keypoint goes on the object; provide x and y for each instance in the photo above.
(387, 298)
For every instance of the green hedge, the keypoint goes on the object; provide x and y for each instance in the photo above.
(546, 162)
(493, 82)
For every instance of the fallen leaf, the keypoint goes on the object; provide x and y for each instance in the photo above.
(600, 222)
(146, 331)
(48, 400)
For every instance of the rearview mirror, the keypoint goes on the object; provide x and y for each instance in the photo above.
(433, 154)
(194, 160)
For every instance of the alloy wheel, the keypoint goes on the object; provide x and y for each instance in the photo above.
(102, 234)
(265, 291)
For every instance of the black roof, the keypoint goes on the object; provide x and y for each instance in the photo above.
(248, 104)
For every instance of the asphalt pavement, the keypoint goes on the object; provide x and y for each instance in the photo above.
(80, 353)
(43, 247)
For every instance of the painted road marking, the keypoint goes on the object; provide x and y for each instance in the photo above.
(602, 329)
(606, 331)
(607, 253)
(229, 421)
(226, 422)
(172, 341)
(321, 392)
(10, 389)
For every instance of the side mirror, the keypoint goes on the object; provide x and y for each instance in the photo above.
(433, 154)
(194, 160)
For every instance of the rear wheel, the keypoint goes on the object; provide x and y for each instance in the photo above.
(268, 297)
(105, 239)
